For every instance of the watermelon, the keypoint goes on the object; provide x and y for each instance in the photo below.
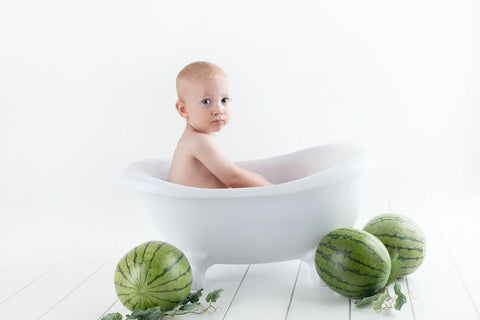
(402, 234)
(352, 262)
(153, 274)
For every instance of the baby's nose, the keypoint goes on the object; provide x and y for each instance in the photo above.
(217, 110)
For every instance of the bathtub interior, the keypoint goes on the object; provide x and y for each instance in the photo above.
(284, 168)
(300, 164)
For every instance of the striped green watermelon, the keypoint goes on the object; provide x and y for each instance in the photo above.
(153, 274)
(400, 233)
(352, 262)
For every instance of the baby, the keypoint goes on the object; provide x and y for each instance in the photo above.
(204, 102)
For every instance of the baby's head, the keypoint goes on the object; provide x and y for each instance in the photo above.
(204, 99)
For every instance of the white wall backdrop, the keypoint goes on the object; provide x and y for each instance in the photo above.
(88, 86)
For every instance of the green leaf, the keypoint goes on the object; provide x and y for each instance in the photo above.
(213, 296)
(184, 309)
(189, 306)
(154, 313)
(367, 300)
(397, 288)
(112, 316)
(378, 304)
(395, 269)
(193, 297)
(401, 298)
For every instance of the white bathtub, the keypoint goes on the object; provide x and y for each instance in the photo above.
(316, 190)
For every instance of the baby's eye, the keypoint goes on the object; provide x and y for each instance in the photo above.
(225, 100)
(206, 102)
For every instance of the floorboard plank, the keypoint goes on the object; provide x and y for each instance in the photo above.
(89, 299)
(313, 300)
(45, 293)
(17, 276)
(265, 292)
(436, 288)
(456, 217)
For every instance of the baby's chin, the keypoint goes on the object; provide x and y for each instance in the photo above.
(212, 127)
(216, 126)
(209, 130)
(214, 130)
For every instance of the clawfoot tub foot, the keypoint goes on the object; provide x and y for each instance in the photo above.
(199, 263)
(309, 261)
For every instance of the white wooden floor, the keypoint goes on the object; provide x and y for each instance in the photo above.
(57, 262)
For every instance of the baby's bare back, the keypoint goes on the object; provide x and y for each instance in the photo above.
(187, 170)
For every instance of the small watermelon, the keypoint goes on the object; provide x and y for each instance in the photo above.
(352, 262)
(400, 233)
(153, 274)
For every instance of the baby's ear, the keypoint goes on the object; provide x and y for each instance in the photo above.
(182, 109)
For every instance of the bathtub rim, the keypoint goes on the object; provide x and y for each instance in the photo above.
(142, 182)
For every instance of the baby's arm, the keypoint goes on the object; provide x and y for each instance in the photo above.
(207, 151)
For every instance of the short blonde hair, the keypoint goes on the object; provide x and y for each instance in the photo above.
(194, 71)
